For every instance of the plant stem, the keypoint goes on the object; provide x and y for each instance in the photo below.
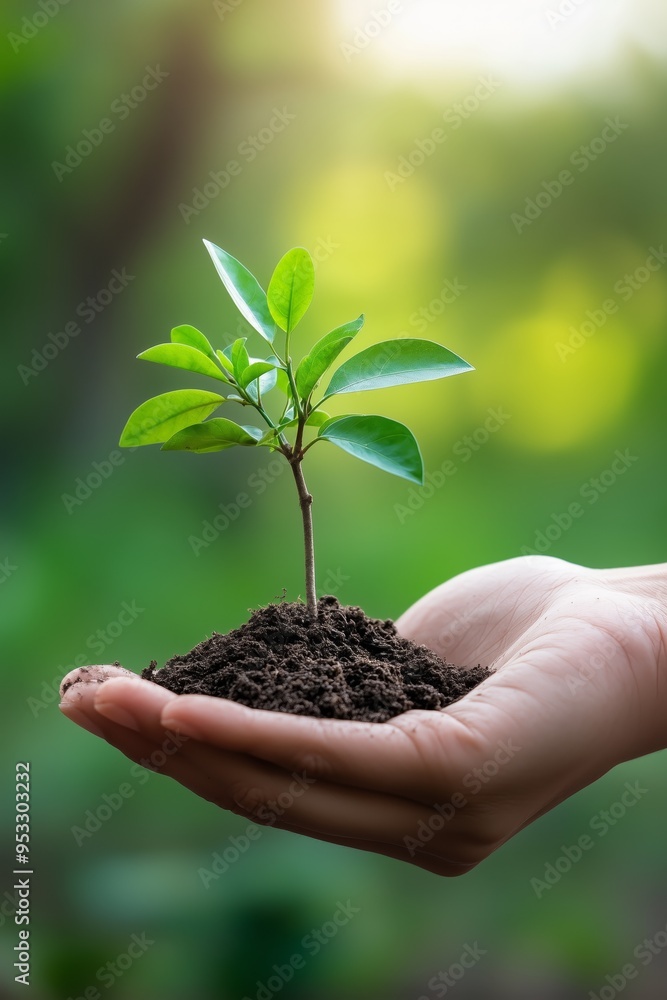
(267, 419)
(295, 393)
(295, 457)
(306, 503)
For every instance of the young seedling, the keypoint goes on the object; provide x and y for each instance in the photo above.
(179, 421)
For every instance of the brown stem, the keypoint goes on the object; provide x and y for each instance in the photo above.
(306, 503)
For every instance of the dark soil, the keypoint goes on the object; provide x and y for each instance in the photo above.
(343, 666)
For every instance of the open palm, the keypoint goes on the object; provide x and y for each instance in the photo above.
(578, 658)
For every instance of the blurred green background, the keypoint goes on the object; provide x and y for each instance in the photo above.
(410, 156)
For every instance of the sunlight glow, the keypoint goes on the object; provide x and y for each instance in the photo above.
(559, 398)
(538, 42)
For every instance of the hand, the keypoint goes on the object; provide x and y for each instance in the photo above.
(579, 685)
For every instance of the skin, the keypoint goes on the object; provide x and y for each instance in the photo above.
(579, 685)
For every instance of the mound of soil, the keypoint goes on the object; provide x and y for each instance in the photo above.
(344, 665)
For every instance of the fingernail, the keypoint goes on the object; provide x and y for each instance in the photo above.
(94, 674)
(117, 714)
(177, 726)
(81, 719)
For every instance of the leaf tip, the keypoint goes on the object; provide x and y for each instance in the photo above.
(212, 248)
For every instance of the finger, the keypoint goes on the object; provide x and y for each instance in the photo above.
(114, 701)
(384, 757)
(77, 695)
(127, 704)
(268, 795)
(138, 705)
(261, 790)
(145, 752)
(155, 750)
(96, 674)
(133, 703)
(253, 788)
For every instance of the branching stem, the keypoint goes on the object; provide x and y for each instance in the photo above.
(294, 456)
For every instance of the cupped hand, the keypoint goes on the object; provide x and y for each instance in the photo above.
(579, 659)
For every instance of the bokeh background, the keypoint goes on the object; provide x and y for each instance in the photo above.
(520, 92)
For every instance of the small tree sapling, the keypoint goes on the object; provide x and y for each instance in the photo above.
(181, 420)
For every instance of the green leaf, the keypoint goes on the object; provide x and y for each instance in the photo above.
(212, 435)
(225, 361)
(288, 416)
(291, 288)
(239, 356)
(254, 432)
(159, 418)
(254, 371)
(282, 381)
(193, 338)
(270, 439)
(323, 354)
(317, 418)
(378, 441)
(244, 290)
(183, 356)
(266, 382)
(395, 362)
